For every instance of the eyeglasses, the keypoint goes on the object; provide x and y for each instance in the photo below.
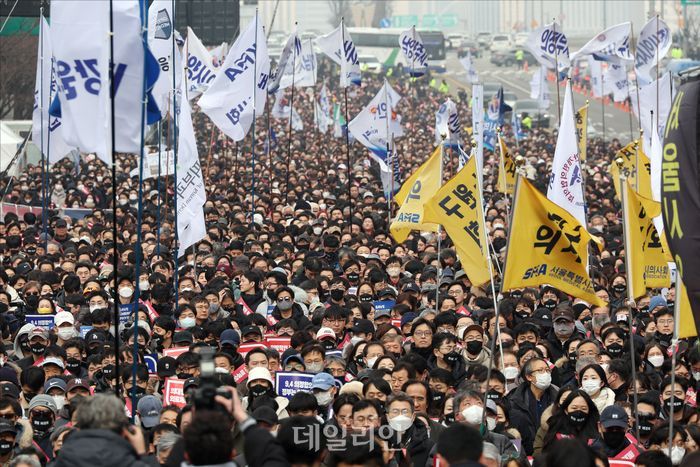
(397, 412)
(423, 333)
(665, 322)
(541, 371)
(31, 294)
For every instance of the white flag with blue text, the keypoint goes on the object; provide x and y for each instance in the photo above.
(611, 45)
(377, 124)
(339, 47)
(447, 124)
(288, 58)
(304, 72)
(549, 45)
(468, 65)
(539, 88)
(43, 125)
(239, 90)
(160, 41)
(616, 82)
(200, 66)
(595, 70)
(413, 49)
(653, 45)
(566, 181)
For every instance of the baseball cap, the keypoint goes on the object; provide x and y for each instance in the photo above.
(266, 414)
(250, 330)
(381, 314)
(183, 337)
(230, 336)
(411, 287)
(325, 333)
(260, 373)
(74, 383)
(166, 367)
(322, 381)
(7, 427)
(472, 327)
(542, 317)
(491, 406)
(293, 355)
(54, 383)
(149, 410)
(656, 301)
(95, 336)
(9, 389)
(563, 313)
(363, 326)
(53, 361)
(23, 269)
(408, 317)
(39, 332)
(613, 415)
(63, 317)
(386, 292)
(190, 383)
(43, 400)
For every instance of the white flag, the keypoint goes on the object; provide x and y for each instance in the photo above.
(160, 41)
(539, 88)
(297, 122)
(200, 66)
(549, 46)
(288, 58)
(239, 90)
(447, 124)
(478, 125)
(218, 54)
(82, 50)
(595, 68)
(54, 147)
(191, 194)
(653, 45)
(468, 65)
(611, 45)
(647, 104)
(616, 82)
(339, 47)
(323, 120)
(323, 110)
(413, 49)
(377, 124)
(304, 74)
(566, 181)
(280, 109)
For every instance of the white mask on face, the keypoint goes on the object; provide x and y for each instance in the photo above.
(473, 414)
(590, 386)
(323, 398)
(656, 360)
(371, 362)
(66, 333)
(511, 373)
(355, 340)
(543, 380)
(60, 401)
(126, 292)
(401, 423)
(677, 454)
(491, 424)
(144, 285)
(186, 323)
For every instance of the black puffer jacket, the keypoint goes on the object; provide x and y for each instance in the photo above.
(90, 448)
(297, 315)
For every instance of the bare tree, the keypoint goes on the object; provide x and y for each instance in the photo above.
(17, 75)
(340, 9)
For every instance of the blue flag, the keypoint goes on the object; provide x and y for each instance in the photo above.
(493, 118)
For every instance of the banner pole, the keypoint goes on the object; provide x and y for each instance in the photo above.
(252, 145)
(556, 71)
(347, 130)
(44, 161)
(174, 149)
(291, 116)
(158, 188)
(674, 350)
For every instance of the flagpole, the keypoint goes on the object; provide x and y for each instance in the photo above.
(173, 147)
(158, 187)
(602, 100)
(556, 70)
(291, 112)
(44, 159)
(657, 73)
(252, 148)
(139, 216)
(269, 146)
(630, 292)
(347, 127)
(313, 91)
(674, 350)
(439, 231)
(115, 234)
(389, 158)
(636, 79)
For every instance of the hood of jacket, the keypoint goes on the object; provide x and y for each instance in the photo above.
(26, 329)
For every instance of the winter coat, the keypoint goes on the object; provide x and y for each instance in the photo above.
(459, 370)
(297, 315)
(521, 417)
(26, 329)
(604, 399)
(89, 448)
(416, 442)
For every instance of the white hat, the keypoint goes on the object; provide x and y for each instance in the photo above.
(63, 317)
(260, 373)
(55, 361)
(325, 332)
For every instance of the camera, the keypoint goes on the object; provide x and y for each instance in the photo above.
(209, 384)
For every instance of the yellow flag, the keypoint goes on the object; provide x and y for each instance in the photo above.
(414, 192)
(547, 245)
(639, 179)
(582, 130)
(686, 322)
(457, 206)
(645, 256)
(506, 169)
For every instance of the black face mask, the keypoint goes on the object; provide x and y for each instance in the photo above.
(449, 419)
(451, 358)
(328, 344)
(28, 396)
(646, 424)
(24, 345)
(677, 405)
(550, 304)
(137, 392)
(337, 294)
(108, 371)
(41, 423)
(438, 399)
(500, 427)
(578, 418)
(158, 341)
(474, 347)
(615, 350)
(572, 357)
(353, 277)
(73, 365)
(614, 439)
(619, 289)
(257, 390)
(37, 348)
(6, 447)
(3, 308)
(493, 395)
(365, 298)
(184, 376)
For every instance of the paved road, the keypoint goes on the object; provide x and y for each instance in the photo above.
(617, 121)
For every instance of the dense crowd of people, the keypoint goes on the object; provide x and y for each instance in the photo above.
(406, 360)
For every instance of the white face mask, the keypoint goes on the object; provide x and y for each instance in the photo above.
(401, 423)
(186, 323)
(543, 380)
(696, 375)
(66, 333)
(144, 285)
(511, 373)
(656, 360)
(473, 414)
(323, 398)
(590, 386)
(314, 367)
(60, 401)
(677, 454)
(355, 340)
(126, 292)
(491, 424)
(95, 307)
(371, 362)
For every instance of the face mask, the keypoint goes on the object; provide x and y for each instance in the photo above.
(677, 454)
(493, 395)
(393, 272)
(328, 344)
(550, 304)
(491, 424)
(511, 373)
(543, 380)
(619, 289)
(590, 386)
(6, 447)
(448, 419)
(314, 367)
(144, 285)
(337, 294)
(60, 401)
(646, 424)
(452, 358)
(600, 320)
(353, 277)
(354, 340)
(371, 362)
(438, 399)
(73, 365)
(656, 360)
(137, 392)
(323, 398)
(257, 390)
(126, 292)
(614, 438)
(66, 333)
(186, 323)
(696, 376)
(37, 348)
(95, 307)
(577, 418)
(473, 414)
(661, 337)
(401, 423)
(285, 306)
(563, 329)
(365, 298)
(677, 405)
(32, 301)
(108, 371)
(615, 350)
(41, 423)
(474, 347)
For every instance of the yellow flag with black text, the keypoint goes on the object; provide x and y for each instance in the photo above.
(582, 130)
(684, 313)
(639, 179)
(457, 207)
(547, 245)
(414, 193)
(645, 255)
(506, 169)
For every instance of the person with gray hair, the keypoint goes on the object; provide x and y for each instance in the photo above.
(165, 445)
(104, 438)
(490, 457)
(25, 460)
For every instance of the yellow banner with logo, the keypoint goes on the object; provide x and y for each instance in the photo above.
(420, 187)
(457, 206)
(686, 322)
(646, 258)
(506, 169)
(639, 179)
(582, 130)
(547, 245)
